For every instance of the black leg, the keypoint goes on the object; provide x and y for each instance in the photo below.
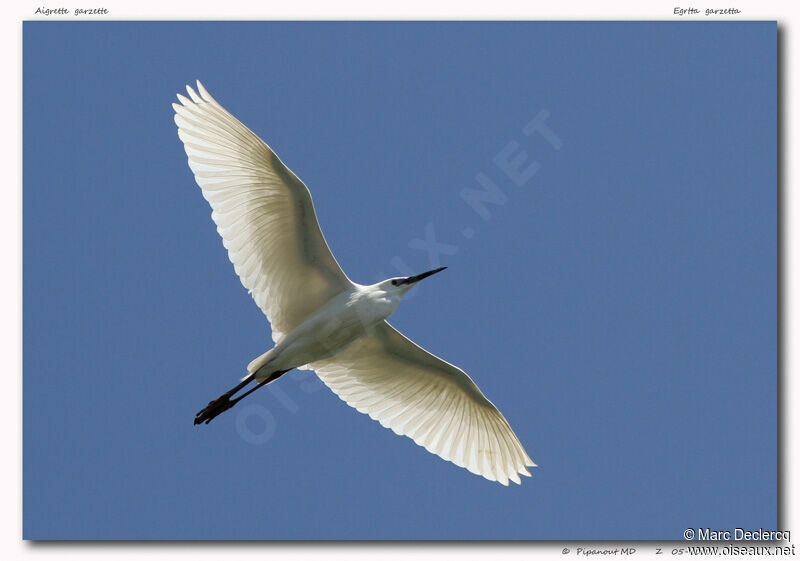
(246, 380)
(221, 404)
(272, 377)
(224, 402)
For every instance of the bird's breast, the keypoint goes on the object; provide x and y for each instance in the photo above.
(378, 306)
(333, 327)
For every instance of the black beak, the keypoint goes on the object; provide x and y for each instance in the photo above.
(417, 278)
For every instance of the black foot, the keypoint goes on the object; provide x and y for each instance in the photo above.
(214, 408)
(224, 402)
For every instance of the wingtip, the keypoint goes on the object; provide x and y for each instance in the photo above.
(193, 94)
(203, 92)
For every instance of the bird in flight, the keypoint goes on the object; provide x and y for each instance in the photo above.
(320, 319)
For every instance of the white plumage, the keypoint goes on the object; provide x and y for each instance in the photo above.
(322, 320)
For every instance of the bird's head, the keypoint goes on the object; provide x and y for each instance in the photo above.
(401, 285)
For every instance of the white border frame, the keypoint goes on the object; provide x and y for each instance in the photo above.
(12, 546)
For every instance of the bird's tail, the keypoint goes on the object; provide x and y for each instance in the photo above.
(257, 363)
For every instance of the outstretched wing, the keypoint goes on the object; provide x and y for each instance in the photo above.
(262, 211)
(416, 394)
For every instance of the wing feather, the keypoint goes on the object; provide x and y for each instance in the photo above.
(263, 212)
(416, 394)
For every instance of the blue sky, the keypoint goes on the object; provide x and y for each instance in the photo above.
(616, 301)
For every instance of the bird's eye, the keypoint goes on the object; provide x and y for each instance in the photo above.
(394, 283)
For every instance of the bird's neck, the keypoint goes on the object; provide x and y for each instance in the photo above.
(378, 301)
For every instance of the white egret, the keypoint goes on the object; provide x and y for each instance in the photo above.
(320, 319)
